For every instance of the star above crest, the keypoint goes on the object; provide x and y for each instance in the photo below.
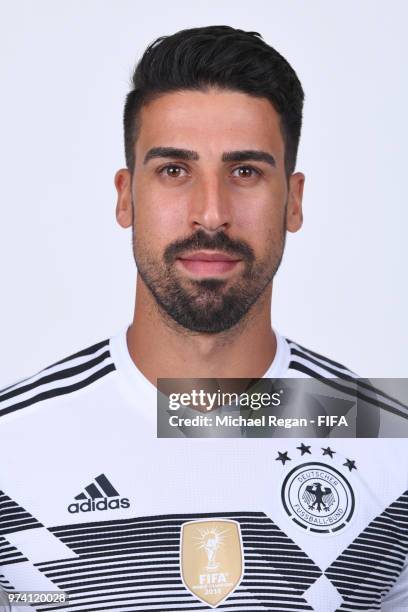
(283, 457)
(304, 449)
(351, 464)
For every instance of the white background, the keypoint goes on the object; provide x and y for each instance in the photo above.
(67, 271)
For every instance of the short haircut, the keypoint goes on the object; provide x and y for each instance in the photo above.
(224, 58)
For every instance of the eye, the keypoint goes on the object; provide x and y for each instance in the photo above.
(173, 171)
(245, 172)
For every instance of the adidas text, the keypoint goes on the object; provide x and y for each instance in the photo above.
(103, 504)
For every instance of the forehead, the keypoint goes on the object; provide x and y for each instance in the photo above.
(217, 120)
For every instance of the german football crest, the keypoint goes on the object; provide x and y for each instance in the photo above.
(318, 498)
(211, 559)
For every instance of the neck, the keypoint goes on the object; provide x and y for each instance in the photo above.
(162, 349)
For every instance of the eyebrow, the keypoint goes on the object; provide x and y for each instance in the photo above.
(249, 155)
(229, 156)
(173, 152)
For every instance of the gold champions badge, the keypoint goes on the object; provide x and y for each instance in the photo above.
(211, 559)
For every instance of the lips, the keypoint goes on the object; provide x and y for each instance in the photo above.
(204, 263)
(204, 256)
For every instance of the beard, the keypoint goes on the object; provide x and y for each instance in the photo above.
(210, 305)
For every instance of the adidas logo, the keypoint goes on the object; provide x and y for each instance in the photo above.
(99, 496)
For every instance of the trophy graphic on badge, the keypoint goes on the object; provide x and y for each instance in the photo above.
(211, 540)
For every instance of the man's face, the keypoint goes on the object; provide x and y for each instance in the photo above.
(210, 204)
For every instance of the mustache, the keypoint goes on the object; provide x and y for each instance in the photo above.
(201, 240)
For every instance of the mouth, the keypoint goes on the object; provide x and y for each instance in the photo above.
(208, 263)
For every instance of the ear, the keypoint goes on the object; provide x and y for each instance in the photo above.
(294, 212)
(123, 184)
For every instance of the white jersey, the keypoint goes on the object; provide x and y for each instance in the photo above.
(92, 503)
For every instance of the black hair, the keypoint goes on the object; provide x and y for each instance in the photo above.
(221, 57)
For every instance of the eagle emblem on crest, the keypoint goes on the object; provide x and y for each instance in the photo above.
(318, 497)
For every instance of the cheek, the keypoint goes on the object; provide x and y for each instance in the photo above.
(159, 219)
(260, 214)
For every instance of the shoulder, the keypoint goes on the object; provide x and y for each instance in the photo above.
(66, 376)
(304, 362)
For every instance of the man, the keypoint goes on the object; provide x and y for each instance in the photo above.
(93, 503)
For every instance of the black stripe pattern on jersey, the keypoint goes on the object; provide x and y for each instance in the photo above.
(134, 565)
(13, 517)
(5, 586)
(94, 364)
(9, 553)
(369, 567)
(319, 359)
(83, 353)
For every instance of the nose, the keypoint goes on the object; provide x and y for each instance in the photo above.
(209, 207)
